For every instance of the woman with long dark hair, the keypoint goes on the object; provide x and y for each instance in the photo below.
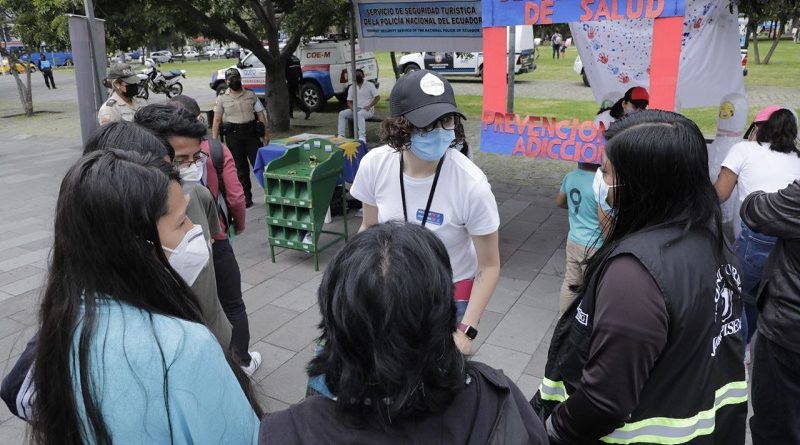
(122, 354)
(390, 360)
(651, 350)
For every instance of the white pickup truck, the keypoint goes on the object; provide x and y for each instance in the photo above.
(470, 64)
(326, 72)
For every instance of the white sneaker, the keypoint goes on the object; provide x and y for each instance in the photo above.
(255, 362)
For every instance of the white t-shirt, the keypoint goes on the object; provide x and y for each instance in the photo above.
(717, 152)
(366, 93)
(760, 169)
(463, 204)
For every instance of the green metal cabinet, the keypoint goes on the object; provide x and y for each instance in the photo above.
(299, 188)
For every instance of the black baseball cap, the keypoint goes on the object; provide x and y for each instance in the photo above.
(422, 97)
(232, 72)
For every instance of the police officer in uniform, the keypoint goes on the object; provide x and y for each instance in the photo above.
(123, 102)
(241, 118)
(294, 75)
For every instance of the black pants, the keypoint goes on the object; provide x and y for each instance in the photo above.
(294, 100)
(556, 49)
(229, 291)
(48, 79)
(775, 393)
(244, 150)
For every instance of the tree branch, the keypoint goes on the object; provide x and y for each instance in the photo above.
(294, 40)
(258, 7)
(214, 25)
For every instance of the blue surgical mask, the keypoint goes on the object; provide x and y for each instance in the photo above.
(601, 192)
(432, 145)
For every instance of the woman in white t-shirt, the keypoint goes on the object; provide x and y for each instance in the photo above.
(768, 162)
(420, 177)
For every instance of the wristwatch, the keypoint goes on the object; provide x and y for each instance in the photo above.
(468, 330)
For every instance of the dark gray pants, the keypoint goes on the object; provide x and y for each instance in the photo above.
(775, 394)
(229, 291)
(244, 150)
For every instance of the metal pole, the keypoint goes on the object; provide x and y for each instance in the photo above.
(512, 56)
(353, 69)
(89, 7)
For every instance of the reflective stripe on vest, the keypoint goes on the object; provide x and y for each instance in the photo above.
(552, 391)
(661, 430)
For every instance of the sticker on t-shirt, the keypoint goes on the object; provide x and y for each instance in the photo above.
(433, 217)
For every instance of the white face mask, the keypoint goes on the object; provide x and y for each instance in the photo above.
(601, 192)
(192, 172)
(190, 256)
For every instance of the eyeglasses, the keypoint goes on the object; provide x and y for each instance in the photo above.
(447, 123)
(198, 157)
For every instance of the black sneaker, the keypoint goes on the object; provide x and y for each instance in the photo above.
(308, 114)
(248, 203)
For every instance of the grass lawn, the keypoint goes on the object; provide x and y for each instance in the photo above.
(199, 68)
(783, 71)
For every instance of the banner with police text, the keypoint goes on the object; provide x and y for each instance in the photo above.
(399, 25)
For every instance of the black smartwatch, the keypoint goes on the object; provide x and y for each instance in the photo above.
(468, 330)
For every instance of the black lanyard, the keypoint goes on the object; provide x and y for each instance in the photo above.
(430, 196)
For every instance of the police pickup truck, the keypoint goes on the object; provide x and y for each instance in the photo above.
(326, 72)
(470, 64)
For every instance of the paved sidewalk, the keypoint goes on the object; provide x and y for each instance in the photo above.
(281, 296)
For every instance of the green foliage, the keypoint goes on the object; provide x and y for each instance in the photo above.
(760, 10)
(37, 21)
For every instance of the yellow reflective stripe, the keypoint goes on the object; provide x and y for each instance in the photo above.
(665, 430)
(552, 390)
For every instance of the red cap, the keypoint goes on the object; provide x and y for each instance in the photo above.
(637, 93)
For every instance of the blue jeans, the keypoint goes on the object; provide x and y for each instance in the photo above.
(752, 249)
(461, 309)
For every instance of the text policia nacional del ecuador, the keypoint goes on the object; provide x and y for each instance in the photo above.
(459, 15)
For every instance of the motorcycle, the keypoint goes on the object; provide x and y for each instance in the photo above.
(160, 83)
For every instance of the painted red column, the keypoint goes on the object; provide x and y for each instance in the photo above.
(494, 69)
(664, 62)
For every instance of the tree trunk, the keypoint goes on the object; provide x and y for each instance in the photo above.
(755, 45)
(775, 42)
(395, 68)
(277, 96)
(25, 97)
(28, 91)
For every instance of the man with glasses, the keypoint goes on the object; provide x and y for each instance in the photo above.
(184, 135)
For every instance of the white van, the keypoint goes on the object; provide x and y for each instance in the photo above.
(326, 72)
(470, 64)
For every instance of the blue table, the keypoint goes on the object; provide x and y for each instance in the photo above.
(354, 150)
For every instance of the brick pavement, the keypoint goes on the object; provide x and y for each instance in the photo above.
(280, 297)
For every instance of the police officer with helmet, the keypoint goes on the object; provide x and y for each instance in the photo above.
(240, 117)
(123, 103)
